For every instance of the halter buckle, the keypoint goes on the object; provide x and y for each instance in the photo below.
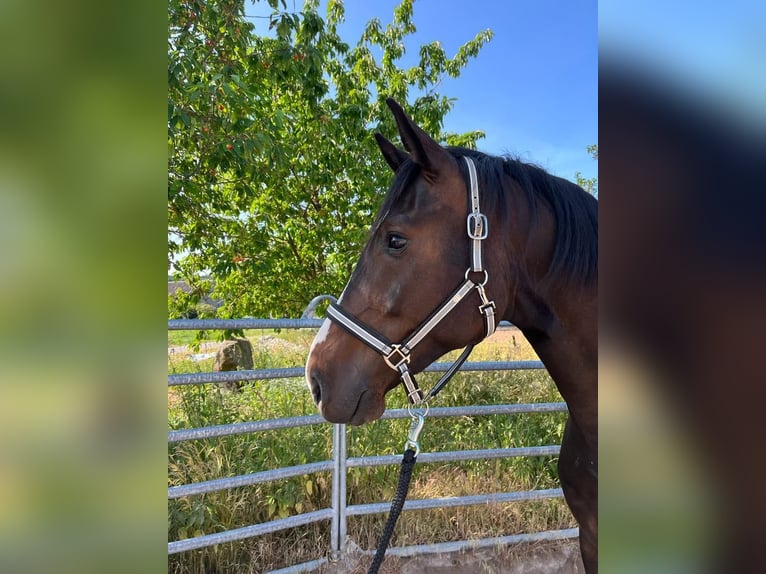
(477, 226)
(404, 354)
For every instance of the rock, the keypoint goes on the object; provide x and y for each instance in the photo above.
(233, 355)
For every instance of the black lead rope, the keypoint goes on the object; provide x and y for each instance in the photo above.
(410, 456)
(412, 449)
(405, 474)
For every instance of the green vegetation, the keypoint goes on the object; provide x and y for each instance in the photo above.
(273, 172)
(195, 461)
(589, 184)
(181, 338)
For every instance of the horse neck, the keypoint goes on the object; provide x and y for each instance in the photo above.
(565, 337)
(558, 319)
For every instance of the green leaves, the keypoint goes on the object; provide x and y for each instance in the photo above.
(273, 174)
(589, 184)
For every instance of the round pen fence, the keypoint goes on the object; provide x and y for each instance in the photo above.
(339, 511)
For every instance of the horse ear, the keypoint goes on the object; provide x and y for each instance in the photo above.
(425, 152)
(393, 155)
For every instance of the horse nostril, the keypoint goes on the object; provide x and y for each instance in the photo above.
(316, 387)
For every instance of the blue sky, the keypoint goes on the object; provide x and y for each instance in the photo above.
(532, 89)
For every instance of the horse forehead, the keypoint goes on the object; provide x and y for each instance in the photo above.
(424, 198)
(447, 187)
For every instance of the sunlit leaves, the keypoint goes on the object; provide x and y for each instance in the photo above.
(273, 176)
(589, 184)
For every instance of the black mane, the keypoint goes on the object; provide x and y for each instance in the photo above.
(575, 252)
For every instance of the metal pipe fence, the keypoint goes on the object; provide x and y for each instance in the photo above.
(339, 464)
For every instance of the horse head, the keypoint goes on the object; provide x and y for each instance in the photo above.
(417, 254)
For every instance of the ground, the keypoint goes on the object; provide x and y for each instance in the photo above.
(538, 558)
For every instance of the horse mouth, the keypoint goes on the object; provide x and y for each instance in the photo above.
(352, 420)
(364, 411)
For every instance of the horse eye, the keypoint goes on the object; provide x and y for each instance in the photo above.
(396, 242)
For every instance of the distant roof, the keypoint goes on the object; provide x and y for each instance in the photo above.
(176, 286)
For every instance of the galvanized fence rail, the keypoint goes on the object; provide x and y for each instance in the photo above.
(339, 510)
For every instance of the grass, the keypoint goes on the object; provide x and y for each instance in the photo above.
(185, 338)
(194, 461)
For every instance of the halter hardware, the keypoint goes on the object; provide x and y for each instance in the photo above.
(476, 225)
(418, 417)
(398, 355)
(404, 353)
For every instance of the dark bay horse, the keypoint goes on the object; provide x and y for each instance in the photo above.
(538, 260)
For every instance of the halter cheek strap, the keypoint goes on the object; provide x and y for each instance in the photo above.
(398, 355)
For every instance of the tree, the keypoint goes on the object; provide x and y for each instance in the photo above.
(589, 184)
(273, 176)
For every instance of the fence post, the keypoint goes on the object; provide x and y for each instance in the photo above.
(342, 498)
(334, 555)
(338, 503)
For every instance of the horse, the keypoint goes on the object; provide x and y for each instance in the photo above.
(525, 250)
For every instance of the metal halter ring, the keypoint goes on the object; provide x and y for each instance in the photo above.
(418, 410)
(486, 276)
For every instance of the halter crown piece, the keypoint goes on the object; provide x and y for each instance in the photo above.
(397, 355)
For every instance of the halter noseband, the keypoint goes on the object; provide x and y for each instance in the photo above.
(397, 355)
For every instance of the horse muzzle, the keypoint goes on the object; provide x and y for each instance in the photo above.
(356, 405)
